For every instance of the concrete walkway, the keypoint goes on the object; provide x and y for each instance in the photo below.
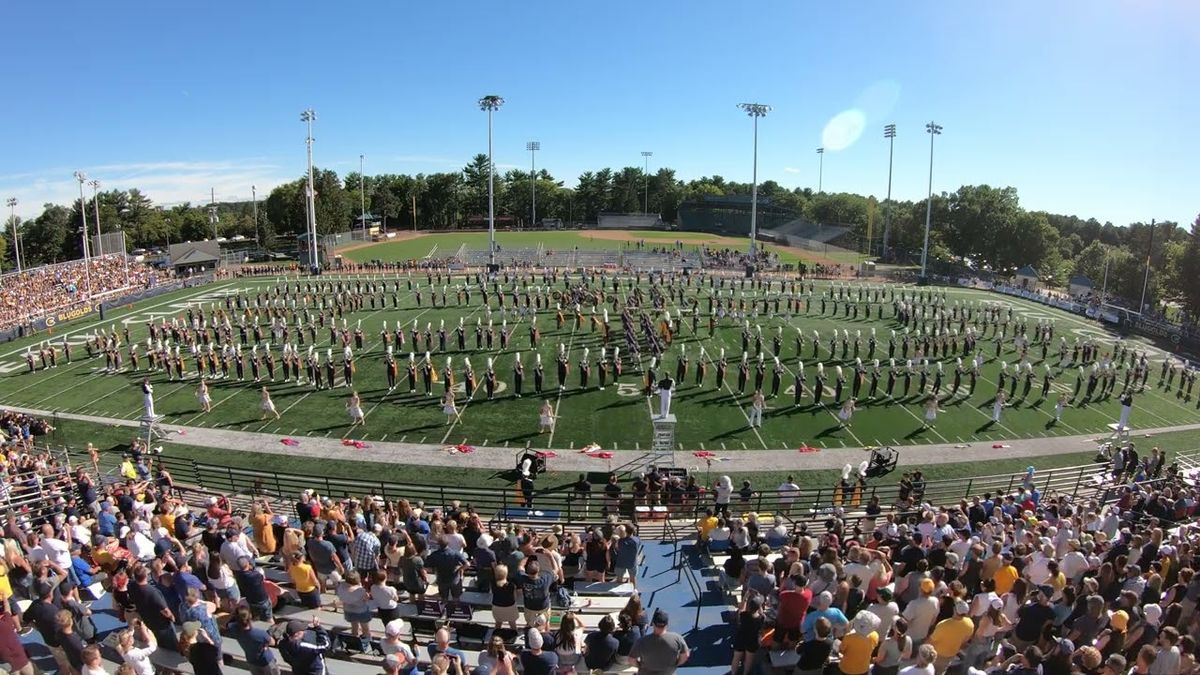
(575, 461)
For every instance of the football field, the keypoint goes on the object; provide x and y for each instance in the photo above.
(710, 416)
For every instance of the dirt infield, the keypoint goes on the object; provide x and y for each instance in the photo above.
(711, 240)
(400, 236)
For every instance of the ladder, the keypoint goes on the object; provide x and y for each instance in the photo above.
(662, 445)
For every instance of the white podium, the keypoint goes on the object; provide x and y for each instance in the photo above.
(662, 444)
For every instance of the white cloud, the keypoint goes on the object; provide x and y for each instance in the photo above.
(163, 182)
(790, 169)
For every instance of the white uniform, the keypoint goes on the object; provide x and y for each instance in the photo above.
(1058, 411)
(148, 399)
(664, 397)
(268, 405)
(356, 412)
(996, 408)
(1124, 421)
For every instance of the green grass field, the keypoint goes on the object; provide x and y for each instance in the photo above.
(617, 417)
(444, 244)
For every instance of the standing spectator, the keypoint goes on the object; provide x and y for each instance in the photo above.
(255, 642)
(252, 585)
(601, 648)
(535, 590)
(356, 608)
(364, 551)
(535, 661)
(625, 555)
(951, 635)
(448, 566)
(745, 637)
(926, 656)
(138, 658)
(788, 492)
(12, 651)
(922, 613)
(661, 651)
(152, 608)
(306, 657)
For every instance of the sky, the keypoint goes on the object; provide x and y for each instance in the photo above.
(1087, 108)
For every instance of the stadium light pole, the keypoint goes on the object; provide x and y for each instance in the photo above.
(933, 129)
(96, 207)
(12, 218)
(309, 116)
(87, 272)
(533, 147)
(362, 192)
(1146, 278)
(646, 155)
(755, 111)
(820, 169)
(254, 209)
(491, 103)
(212, 212)
(889, 132)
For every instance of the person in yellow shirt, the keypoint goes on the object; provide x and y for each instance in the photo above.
(950, 635)
(305, 580)
(1006, 576)
(859, 644)
(706, 524)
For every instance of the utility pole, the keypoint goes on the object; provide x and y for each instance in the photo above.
(254, 202)
(932, 129)
(646, 155)
(96, 206)
(1146, 278)
(362, 190)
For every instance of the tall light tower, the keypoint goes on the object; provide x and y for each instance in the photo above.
(933, 129)
(491, 103)
(820, 169)
(362, 192)
(12, 218)
(646, 155)
(889, 132)
(87, 271)
(254, 208)
(755, 111)
(309, 116)
(212, 212)
(533, 147)
(96, 207)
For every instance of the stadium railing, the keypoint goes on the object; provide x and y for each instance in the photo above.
(808, 505)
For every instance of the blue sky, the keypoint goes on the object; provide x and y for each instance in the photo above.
(1086, 107)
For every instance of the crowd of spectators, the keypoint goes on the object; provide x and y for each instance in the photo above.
(731, 258)
(173, 570)
(33, 293)
(1027, 583)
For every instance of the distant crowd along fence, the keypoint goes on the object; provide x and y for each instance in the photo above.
(101, 304)
(809, 504)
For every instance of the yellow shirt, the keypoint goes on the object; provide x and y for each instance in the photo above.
(5, 585)
(856, 652)
(706, 525)
(950, 635)
(128, 470)
(1005, 578)
(1057, 582)
(168, 521)
(301, 575)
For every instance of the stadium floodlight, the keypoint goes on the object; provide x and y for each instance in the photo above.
(646, 155)
(309, 116)
(889, 132)
(820, 169)
(362, 192)
(491, 103)
(533, 147)
(96, 207)
(12, 218)
(83, 230)
(754, 110)
(933, 129)
(254, 207)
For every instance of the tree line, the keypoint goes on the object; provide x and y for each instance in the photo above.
(980, 226)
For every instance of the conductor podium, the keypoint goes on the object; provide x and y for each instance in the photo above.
(662, 444)
(150, 428)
